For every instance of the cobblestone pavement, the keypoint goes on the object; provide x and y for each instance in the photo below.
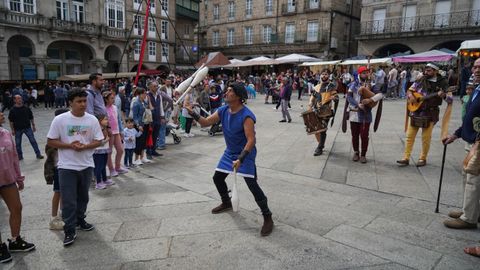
(330, 213)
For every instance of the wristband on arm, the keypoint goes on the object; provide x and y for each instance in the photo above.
(242, 155)
(195, 115)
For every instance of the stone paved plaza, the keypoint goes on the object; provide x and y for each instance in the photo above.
(329, 212)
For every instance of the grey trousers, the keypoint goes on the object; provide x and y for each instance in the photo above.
(285, 113)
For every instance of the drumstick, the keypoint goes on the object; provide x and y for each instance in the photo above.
(235, 199)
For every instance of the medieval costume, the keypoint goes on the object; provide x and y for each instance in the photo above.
(321, 102)
(362, 97)
(427, 93)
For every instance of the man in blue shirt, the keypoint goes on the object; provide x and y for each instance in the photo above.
(468, 217)
(95, 103)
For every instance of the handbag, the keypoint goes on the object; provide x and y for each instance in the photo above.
(147, 115)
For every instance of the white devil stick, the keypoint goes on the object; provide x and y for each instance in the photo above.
(199, 76)
(184, 85)
(235, 199)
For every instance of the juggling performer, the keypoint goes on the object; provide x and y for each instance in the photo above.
(238, 123)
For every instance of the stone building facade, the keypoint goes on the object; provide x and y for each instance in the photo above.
(389, 27)
(245, 29)
(49, 38)
(186, 53)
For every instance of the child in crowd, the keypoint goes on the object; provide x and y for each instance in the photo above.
(466, 98)
(51, 176)
(130, 135)
(100, 156)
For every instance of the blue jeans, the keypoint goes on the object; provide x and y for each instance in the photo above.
(404, 89)
(128, 158)
(161, 136)
(100, 169)
(74, 187)
(31, 138)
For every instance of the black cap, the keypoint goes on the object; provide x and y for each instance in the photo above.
(240, 91)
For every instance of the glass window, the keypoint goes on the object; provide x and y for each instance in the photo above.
(152, 51)
(138, 22)
(216, 12)
(249, 7)
(24, 6)
(269, 7)
(115, 10)
(53, 53)
(25, 51)
(137, 47)
(312, 31)
(195, 6)
(215, 38)
(78, 11)
(231, 10)
(230, 34)
(442, 13)
(249, 35)
(72, 55)
(267, 34)
(289, 33)
(164, 30)
(379, 16)
(151, 24)
(164, 52)
(164, 8)
(62, 9)
(29, 6)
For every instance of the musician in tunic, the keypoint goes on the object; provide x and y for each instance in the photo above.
(426, 95)
(321, 102)
(361, 97)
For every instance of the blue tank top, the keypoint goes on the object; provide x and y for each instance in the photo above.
(235, 139)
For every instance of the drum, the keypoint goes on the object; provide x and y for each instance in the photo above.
(314, 123)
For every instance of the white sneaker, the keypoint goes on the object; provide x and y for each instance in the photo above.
(191, 135)
(146, 160)
(186, 135)
(56, 223)
(138, 162)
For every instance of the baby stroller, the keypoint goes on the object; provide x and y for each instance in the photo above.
(171, 129)
(215, 128)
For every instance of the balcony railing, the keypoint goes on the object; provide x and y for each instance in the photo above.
(38, 21)
(273, 39)
(454, 20)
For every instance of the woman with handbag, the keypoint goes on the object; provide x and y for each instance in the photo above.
(142, 116)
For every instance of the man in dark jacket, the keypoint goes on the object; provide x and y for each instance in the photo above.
(468, 217)
(285, 95)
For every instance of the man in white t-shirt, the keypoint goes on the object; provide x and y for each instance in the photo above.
(75, 134)
(392, 83)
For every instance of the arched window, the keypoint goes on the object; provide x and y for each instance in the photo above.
(23, 6)
(115, 13)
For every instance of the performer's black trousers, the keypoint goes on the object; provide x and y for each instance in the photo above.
(260, 198)
(323, 138)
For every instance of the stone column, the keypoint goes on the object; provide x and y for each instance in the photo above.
(98, 65)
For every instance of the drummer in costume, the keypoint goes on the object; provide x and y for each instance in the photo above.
(426, 96)
(321, 102)
(238, 123)
(361, 98)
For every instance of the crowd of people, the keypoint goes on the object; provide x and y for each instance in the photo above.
(105, 128)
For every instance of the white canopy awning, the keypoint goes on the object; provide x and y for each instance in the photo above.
(469, 45)
(296, 58)
(258, 61)
(234, 63)
(322, 63)
(378, 61)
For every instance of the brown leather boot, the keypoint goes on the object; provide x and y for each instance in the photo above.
(225, 206)
(267, 227)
